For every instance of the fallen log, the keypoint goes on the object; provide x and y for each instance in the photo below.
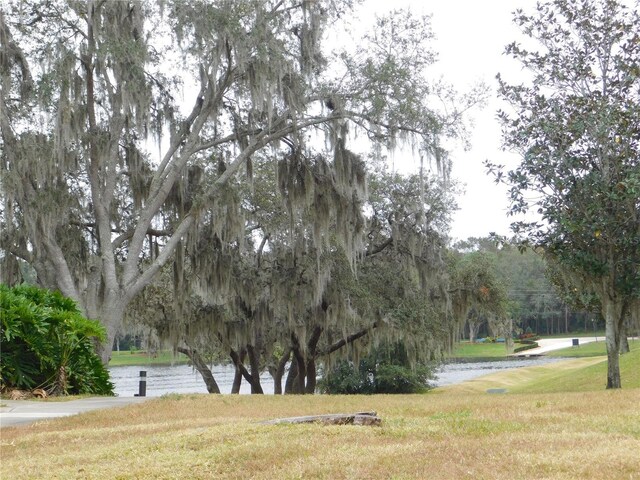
(359, 418)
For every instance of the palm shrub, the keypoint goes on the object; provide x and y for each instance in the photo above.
(47, 343)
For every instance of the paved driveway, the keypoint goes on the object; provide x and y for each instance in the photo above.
(21, 412)
(549, 344)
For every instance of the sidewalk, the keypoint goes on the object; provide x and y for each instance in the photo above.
(21, 412)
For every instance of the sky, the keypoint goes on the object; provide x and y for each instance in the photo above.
(470, 39)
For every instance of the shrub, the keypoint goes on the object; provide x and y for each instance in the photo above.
(385, 370)
(401, 379)
(527, 345)
(47, 343)
(344, 379)
(528, 336)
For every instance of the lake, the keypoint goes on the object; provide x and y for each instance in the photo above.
(163, 379)
(458, 371)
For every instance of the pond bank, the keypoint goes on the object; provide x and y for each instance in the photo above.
(165, 379)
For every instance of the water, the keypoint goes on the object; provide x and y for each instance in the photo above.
(164, 379)
(463, 370)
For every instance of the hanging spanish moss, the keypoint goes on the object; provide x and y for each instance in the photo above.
(331, 195)
(239, 230)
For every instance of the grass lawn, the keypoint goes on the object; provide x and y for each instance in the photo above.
(479, 350)
(591, 349)
(452, 433)
(498, 350)
(163, 357)
(597, 333)
(446, 436)
(577, 375)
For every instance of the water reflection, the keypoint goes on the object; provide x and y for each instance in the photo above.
(185, 379)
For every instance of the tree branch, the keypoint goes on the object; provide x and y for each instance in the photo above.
(348, 340)
(240, 366)
(120, 239)
(379, 248)
(262, 244)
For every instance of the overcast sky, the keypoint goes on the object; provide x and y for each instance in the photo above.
(470, 39)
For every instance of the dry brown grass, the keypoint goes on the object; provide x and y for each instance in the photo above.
(592, 435)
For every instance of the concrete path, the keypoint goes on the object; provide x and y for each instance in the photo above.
(549, 344)
(22, 412)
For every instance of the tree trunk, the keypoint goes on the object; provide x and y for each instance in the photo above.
(548, 330)
(473, 331)
(311, 371)
(203, 368)
(110, 316)
(254, 362)
(624, 340)
(61, 383)
(508, 336)
(237, 381)
(624, 344)
(302, 374)
(279, 372)
(612, 313)
(299, 380)
(290, 384)
(237, 378)
(238, 361)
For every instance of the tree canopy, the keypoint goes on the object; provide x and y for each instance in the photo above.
(126, 127)
(576, 125)
(276, 297)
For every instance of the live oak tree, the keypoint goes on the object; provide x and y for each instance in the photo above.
(478, 294)
(397, 291)
(280, 298)
(123, 123)
(577, 125)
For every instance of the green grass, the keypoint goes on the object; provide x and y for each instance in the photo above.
(590, 378)
(588, 374)
(592, 349)
(162, 357)
(479, 350)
